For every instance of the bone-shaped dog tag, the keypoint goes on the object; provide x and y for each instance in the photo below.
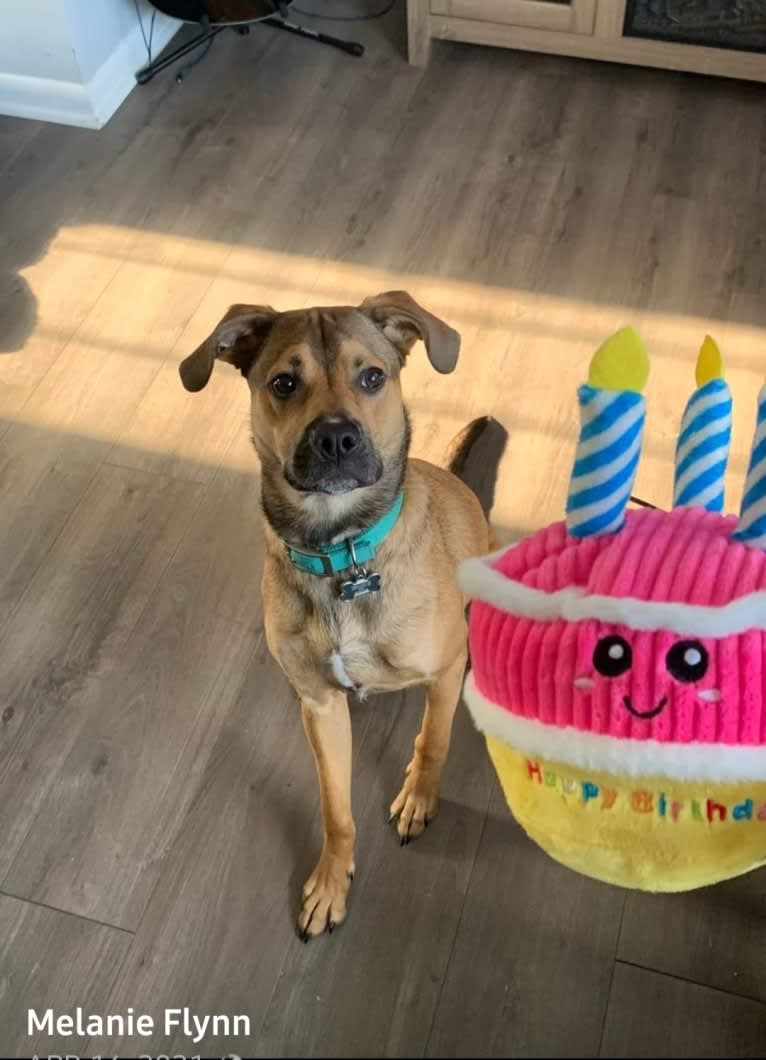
(361, 585)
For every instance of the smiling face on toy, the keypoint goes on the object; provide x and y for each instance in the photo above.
(686, 661)
(657, 685)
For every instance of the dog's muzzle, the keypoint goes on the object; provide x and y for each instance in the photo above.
(333, 456)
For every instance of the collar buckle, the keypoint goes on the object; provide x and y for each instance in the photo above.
(319, 557)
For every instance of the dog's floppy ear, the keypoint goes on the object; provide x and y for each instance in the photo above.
(403, 321)
(237, 339)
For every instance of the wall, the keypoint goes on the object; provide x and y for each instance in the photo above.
(106, 26)
(34, 40)
(73, 61)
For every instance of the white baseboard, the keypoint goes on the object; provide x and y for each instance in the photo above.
(45, 100)
(89, 105)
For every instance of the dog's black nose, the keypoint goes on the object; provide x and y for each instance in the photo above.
(333, 438)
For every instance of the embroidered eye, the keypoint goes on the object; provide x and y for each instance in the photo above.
(687, 661)
(283, 385)
(372, 379)
(612, 656)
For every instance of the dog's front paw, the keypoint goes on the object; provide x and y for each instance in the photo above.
(416, 804)
(324, 895)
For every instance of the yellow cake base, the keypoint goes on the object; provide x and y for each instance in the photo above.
(647, 833)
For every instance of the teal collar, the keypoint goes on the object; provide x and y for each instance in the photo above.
(350, 554)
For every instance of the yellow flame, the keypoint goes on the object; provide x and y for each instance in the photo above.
(620, 363)
(709, 362)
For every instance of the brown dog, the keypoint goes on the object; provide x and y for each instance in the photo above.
(332, 433)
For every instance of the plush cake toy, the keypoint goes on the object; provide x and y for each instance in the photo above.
(619, 657)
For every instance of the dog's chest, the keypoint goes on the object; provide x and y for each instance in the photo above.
(358, 655)
(362, 668)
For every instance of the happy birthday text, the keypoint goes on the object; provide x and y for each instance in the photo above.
(643, 801)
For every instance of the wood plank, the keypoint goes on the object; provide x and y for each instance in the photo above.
(256, 819)
(19, 247)
(52, 960)
(223, 547)
(220, 920)
(96, 382)
(448, 119)
(704, 936)
(72, 624)
(118, 798)
(656, 1015)
(404, 908)
(136, 161)
(42, 493)
(15, 135)
(56, 285)
(531, 932)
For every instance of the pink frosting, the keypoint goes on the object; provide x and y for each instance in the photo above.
(685, 555)
(529, 667)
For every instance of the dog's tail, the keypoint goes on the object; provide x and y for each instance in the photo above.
(475, 457)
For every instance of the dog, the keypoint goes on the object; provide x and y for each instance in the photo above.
(362, 543)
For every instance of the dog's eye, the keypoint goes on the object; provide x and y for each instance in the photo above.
(687, 661)
(613, 656)
(283, 385)
(372, 379)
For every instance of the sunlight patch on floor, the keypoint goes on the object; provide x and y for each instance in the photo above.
(119, 308)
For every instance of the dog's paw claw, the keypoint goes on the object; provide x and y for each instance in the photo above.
(416, 805)
(324, 895)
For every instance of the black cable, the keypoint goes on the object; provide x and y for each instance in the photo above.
(195, 62)
(642, 504)
(344, 18)
(147, 43)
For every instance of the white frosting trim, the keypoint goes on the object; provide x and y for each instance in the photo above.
(627, 757)
(479, 581)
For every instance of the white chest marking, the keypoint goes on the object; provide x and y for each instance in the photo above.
(339, 670)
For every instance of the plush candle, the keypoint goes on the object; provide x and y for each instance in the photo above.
(703, 444)
(751, 528)
(612, 412)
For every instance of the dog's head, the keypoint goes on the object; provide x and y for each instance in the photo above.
(328, 418)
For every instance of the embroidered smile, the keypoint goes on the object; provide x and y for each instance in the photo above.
(645, 714)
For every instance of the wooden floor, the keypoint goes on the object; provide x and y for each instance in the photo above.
(158, 809)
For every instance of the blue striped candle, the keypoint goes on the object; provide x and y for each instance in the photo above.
(702, 451)
(612, 413)
(751, 527)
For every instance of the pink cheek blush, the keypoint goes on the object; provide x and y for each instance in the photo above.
(584, 683)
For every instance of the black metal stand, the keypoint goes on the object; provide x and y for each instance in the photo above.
(351, 46)
(210, 32)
